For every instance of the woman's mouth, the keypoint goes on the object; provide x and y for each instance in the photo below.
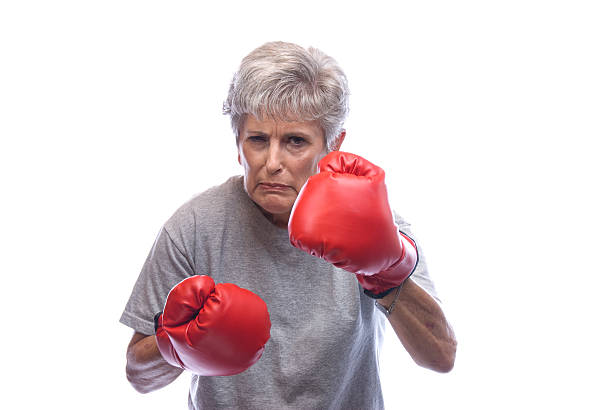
(268, 186)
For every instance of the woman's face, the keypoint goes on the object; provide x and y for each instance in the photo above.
(278, 157)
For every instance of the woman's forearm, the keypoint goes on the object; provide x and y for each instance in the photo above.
(420, 325)
(146, 369)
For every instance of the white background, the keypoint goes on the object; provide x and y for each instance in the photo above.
(490, 119)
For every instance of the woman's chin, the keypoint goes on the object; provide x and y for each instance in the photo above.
(275, 210)
(275, 206)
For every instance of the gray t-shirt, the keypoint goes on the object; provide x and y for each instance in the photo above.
(325, 335)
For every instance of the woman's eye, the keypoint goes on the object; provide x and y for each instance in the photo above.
(297, 140)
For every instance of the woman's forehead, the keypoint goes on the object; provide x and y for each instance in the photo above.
(268, 124)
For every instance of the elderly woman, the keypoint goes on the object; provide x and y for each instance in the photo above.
(270, 286)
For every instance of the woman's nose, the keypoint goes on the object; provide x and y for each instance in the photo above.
(274, 159)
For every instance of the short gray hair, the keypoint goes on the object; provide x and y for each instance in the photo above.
(286, 82)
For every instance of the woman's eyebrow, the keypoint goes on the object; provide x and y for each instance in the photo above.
(296, 133)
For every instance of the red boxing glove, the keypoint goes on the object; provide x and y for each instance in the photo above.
(342, 215)
(212, 330)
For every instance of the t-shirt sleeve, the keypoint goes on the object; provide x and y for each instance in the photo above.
(421, 274)
(165, 266)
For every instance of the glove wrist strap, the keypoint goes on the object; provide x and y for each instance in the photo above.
(387, 311)
(156, 321)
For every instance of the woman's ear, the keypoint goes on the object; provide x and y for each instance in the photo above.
(338, 142)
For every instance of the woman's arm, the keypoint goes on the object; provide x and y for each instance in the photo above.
(146, 369)
(422, 328)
